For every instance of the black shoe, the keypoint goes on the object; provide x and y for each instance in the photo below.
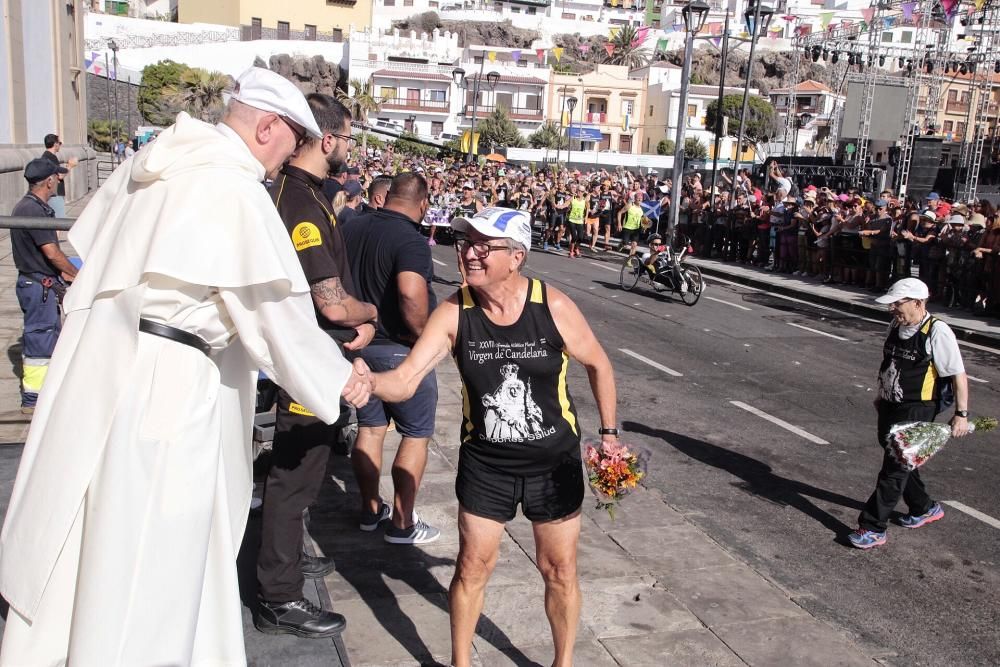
(314, 567)
(300, 618)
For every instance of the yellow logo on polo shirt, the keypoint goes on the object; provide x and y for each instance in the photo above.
(297, 409)
(306, 235)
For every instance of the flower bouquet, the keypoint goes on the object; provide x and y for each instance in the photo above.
(613, 471)
(912, 443)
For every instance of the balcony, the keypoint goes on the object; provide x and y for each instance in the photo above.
(514, 113)
(310, 34)
(422, 103)
(956, 107)
(595, 117)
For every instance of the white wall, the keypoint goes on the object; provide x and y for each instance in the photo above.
(6, 112)
(40, 89)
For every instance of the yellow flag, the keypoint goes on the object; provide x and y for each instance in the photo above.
(557, 52)
(613, 31)
(565, 118)
(492, 55)
(614, 3)
(465, 142)
(979, 5)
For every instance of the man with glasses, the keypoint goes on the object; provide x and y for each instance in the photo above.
(392, 268)
(301, 440)
(922, 373)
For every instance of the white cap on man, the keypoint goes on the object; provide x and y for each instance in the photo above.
(269, 91)
(498, 223)
(907, 288)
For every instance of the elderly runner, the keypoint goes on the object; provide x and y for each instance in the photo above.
(512, 339)
(120, 543)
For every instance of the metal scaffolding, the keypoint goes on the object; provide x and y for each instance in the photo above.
(988, 45)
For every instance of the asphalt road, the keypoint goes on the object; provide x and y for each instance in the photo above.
(784, 500)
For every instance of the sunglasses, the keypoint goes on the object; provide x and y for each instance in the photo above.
(300, 135)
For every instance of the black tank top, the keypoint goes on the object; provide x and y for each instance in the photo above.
(465, 209)
(517, 413)
(907, 374)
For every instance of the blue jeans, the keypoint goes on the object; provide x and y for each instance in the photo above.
(41, 331)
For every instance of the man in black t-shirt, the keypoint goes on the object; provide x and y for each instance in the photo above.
(42, 269)
(301, 441)
(57, 201)
(392, 268)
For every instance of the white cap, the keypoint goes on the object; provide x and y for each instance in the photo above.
(907, 288)
(498, 223)
(269, 91)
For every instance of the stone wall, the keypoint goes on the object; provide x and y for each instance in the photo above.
(98, 89)
(79, 181)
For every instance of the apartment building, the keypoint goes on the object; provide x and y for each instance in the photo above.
(606, 115)
(813, 104)
(266, 19)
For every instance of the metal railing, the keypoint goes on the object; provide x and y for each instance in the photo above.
(164, 39)
(249, 33)
(27, 222)
(422, 104)
(519, 113)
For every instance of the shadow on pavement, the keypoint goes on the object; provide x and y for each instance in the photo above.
(758, 478)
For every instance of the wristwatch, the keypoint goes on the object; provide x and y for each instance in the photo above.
(962, 413)
(607, 431)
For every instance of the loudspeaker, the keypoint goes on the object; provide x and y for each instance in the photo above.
(924, 165)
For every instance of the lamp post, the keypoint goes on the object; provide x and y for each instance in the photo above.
(694, 14)
(718, 105)
(412, 120)
(754, 16)
(570, 104)
(113, 45)
(800, 121)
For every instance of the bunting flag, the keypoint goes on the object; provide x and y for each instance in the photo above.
(868, 13)
(918, 17)
(846, 24)
(890, 21)
(610, 48)
(492, 55)
(584, 48)
(717, 41)
(714, 28)
(565, 118)
(612, 32)
(557, 52)
(640, 36)
(979, 5)
(775, 28)
(908, 8)
(864, 27)
(540, 53)
(949, 7)
(678, 27)
(744, 34)
(789, 18)
(626, 122)
(661, 44)
(614, 3)
(465, 142)
(93, 64)
(831, 27)
(824, 19)
(515, 55)
(804, 30)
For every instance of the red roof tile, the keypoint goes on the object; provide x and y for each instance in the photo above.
(411, 75)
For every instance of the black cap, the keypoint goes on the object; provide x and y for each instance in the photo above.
(354, 171)
(39, 169)
(342, 169)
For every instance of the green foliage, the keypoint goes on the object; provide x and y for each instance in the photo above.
(454, 145)
(101, 133)
(361, 103)
(155, 78)
(694, 149)
(199, 93)
(761, 121)
(406, 144)
(496, 130)
(547, 136)
(666, 147)
(627, 51)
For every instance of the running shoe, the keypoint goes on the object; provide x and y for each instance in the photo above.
(371, 520)
(419, 533)
(933, 514)
(866, 539)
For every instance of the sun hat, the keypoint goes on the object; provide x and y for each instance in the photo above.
(977, 220)
(498, 222)
(907, 288)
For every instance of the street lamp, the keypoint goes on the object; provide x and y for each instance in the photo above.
(570, 104)
(801, 121)
(758, 18)
(694, 14)
(113, 45)
(475, 102)
(412, 120)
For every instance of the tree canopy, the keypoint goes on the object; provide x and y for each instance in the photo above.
(498, 129)
(761, 121)
(548, 136)
(155, 78)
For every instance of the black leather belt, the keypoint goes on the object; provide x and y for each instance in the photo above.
(175, 334)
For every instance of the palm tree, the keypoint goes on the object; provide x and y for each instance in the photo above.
(199, 93)
(628, 50)
(362, 103)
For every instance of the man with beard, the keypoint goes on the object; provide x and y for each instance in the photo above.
(301, 440)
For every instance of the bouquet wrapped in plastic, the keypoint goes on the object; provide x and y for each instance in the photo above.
(613, 471)
(912, 443)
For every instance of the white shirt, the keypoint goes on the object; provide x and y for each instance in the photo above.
(941, 345)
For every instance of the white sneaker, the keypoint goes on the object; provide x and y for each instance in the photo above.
(418, 533)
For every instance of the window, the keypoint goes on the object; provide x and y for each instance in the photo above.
(388, 93)
(886, 37)
(255, 28)
(605, 143)
(413, 96)
(650, 110)
(407, 3)
(390, 3)
(627, 107)
(625, 144)
(478, 60)
(505, 101)
(437, 95)
(906, 37)
(433, 4)
(533, 102)
(311, 32)
(692, 111)
(568, 15)
(409, 125)
(338, 35)
(949, 126)
(437, 127)
(522, 63)
(532, 10)
(960, 129)
(283, 30)
(515, 10)
(952, 95)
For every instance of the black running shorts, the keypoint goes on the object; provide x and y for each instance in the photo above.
(494, 494)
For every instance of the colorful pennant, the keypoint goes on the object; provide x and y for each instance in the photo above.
(557, 52)
(908, 8)
(515, 55)
(584, 48)
(540, 54)
(825, 18)
(492, 55)
(868, 13)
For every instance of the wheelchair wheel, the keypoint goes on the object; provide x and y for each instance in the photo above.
(692, 274)
(631, 270)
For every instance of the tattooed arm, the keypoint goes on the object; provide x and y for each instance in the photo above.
(336, 305)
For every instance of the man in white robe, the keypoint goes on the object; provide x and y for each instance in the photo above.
(129, 507)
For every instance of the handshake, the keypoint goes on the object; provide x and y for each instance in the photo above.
(360, 385)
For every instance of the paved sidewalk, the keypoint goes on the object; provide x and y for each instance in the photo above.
(657, 590)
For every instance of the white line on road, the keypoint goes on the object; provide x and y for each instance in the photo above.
(815, 331)
(985, 518)
(780, 422)
(728, 303)
(975, 379)
(654, 364)
(438, 261)
(606, 268)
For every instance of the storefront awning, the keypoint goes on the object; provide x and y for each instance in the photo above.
(586, 133)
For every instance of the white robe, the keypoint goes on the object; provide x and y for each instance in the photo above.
(131, 498)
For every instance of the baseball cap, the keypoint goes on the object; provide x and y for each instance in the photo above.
(499, 223)
(269, 91)
(933, 196)
(907, 288)
(39, 169)
(930, 215)
(977, 220)
(881, 203)
(352, 188)
(354, 171)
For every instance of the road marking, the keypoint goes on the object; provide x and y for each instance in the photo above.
(815, 331)
(728, 303)
(654, 364)
(975, 379)
(438, 261)
(985, 518)
(606, 268)
(780, 422)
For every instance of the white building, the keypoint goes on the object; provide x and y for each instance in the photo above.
(813, 105)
